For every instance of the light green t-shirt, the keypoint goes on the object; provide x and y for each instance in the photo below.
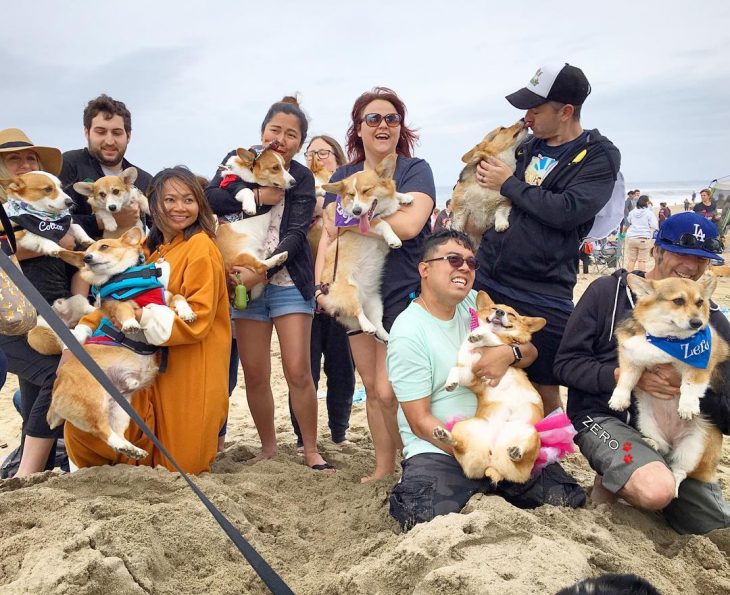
(421, 351)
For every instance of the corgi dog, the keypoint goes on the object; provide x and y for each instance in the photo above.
(70, 310)
(109, 195)
(475, 208)
(720, 271)
(265, 168)
(670, 324)
(77, 396)
(354, 261)
(38, 206)
(321, 176)
(500, 442)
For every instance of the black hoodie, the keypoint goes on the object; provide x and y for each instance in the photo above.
(539, 251)
(587, 356)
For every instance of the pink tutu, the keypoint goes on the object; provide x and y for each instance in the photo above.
(556, 439)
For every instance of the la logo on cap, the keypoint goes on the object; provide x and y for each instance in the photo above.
(699, 234)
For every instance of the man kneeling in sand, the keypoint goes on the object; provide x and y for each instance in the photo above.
(587, 363)
(424, 343)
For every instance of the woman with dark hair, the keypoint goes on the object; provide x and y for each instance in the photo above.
(188, 403)
(642, 223)
(378, 128)
(287, 301)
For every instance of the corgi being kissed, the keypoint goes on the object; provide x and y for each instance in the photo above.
(109, 195)
(500, 442)
(670, 325)
(112, 267)
(39, 207)
(475, 208)
(354, 262)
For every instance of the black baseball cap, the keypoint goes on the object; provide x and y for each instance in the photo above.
(562, 83)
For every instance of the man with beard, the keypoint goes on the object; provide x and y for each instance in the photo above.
(107, 128)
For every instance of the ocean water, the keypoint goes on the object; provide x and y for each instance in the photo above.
(673, 193)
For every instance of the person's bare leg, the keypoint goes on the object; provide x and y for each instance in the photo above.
(254, 348)
(550, 397)
(294, 331)
(35, 454)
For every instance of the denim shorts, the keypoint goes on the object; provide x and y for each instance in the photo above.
(273, 302)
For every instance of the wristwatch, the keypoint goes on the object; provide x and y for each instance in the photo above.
(517, 353)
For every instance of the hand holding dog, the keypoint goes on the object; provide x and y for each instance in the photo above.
(270, 196)
(493, 363)
(661, 382)
(128, 216)
(492, 173)
(247, 276)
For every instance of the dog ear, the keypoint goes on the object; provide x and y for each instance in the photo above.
(386, 168)
(73, 258)
(333, 187)
(247, 157)
(474, 156)
(708, 283)
(534, 324)
(132, 237)
(84, 188)
(484, 302)
(15, 184)
(129, 175)
(639, 285)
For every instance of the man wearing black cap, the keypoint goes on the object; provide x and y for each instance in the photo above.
(587, 363)
(564, 177)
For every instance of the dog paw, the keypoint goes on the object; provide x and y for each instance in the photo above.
(87, 243)
(452, 386)
(186, 313)
(368, 329)
(132, 452)
(405, 199)
(382, 334)
(620, 400)
(395, 243)
(475, 336)
(442, 434)
(281, 258)
(130, 326)
(651, 442)
(501, 226)
(514, 453)
(687, 413)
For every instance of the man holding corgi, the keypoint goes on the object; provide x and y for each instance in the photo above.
(563, 178)
(423, 347)
(587, 362)
(107, 128)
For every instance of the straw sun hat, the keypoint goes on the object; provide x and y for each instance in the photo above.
(14, 139)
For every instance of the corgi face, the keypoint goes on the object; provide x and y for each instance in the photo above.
(497, 142)
(672, 307)
(268, 169)
(108, 257)
(110, 192)
(505, 322)
(40, 189)
(362, 190)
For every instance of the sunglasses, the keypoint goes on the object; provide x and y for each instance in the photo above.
(457, 261)
(321, 153)
(374, 120)
(689, 240)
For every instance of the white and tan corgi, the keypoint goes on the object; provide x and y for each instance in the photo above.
(39, 207)
(354, 261)
(678, 310)
(77, 396)
(109, 195)
(321, 176)
(265, 168)
(475, 208)
(500, 442)
(70, 310)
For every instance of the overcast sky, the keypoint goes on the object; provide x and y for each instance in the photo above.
(198, 77)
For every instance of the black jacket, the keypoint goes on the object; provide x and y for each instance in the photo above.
(539, 251)
(81, 166)
(587, 356)
(296, 219)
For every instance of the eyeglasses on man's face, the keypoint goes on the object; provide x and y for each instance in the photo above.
(321, 153)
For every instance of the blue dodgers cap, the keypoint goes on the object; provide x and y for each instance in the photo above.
(690, 234)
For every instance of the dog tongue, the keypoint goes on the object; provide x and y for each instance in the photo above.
(364, 224)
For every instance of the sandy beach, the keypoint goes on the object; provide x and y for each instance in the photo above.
(133, 530)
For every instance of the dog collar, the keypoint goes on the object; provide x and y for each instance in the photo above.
(694, 351)
(473, 319)
(17, 208)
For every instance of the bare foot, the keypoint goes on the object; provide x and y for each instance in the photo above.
(343, 443)
(221, 443)
(600, 495)
(375, 476)
(262, 456)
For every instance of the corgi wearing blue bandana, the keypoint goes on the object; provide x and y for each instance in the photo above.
(670, 325)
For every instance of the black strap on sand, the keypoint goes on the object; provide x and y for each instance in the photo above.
(272, 580)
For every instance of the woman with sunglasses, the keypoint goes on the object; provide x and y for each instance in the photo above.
(378, 129)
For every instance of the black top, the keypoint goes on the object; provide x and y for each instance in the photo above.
(539, 251)
(587, 356)
(299, 202)
(80, 166)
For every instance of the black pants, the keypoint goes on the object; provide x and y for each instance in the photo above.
(330, 339)
(585, 259)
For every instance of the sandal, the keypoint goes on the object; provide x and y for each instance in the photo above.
(322, 467)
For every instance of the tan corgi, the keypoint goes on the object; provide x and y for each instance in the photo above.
(70, 310)
(109, 195)
(476, 209)
(265, 168)
(720, 271)
(678, 310)
(354, 261)
(500, 442)
(39, 208)
(321, 176)
(77, 396)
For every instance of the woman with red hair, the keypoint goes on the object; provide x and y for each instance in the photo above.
(377, 129)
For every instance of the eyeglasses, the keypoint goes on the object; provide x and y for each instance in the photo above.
(374, 120)
(689, 240)
(457, 261)
(321, 153)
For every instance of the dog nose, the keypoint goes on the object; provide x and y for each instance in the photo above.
(88, 258)
(112, 208)
(500, 313)
(357, 211)
(695, 323)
